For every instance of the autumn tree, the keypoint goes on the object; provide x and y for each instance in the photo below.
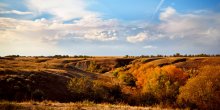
(164, 82)
(202, 90)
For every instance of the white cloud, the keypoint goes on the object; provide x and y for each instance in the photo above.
(169, 12)
(67, 10)
(45, 30)
(140, 37)
(195, 28)
(149, 35)
(16, 12)
(150, 47)
(94, 21)
(202, 26)
(17, 38)
(40, 37)
(100, 35)
(26, 37)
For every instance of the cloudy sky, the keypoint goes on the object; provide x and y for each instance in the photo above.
(109, 27)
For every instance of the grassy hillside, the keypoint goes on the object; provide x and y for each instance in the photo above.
(25, 78)
(133, 81)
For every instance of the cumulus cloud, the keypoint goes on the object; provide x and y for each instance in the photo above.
(94, 21)
(194, 28)
(140, 37)
(56, 30)
(189, 30)
(16, 12)
(43, 35)
(199, 25)
(107, 35)
(17, 38)
(169, 12)
(67, 10)
(145, 36)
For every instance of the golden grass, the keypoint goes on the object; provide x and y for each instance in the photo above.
(85, 105)
(57, 66)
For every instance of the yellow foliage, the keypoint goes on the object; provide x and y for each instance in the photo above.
(203, 89)
(164, 82)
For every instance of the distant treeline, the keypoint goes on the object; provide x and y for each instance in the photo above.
(126, 56)
(67, 56)
(174, 55)
(55, 56)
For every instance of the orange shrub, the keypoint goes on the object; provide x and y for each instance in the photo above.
(139, 72)
(162, 83)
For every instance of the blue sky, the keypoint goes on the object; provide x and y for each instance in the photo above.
(109, 27)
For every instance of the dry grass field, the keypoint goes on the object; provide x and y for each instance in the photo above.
(48, 105)
(110, 80)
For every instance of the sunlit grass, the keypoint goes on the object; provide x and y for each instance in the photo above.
(84, 105)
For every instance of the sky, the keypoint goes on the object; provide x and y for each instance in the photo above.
(109, 27)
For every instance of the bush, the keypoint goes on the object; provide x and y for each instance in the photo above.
(164, 83)
(80, 87)
(115, 93)
(93, 66)
(93, 90)
(99, 91)
(38, 94)
(116, 71)
(10, 80)
(128, 79)
(202, 90)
